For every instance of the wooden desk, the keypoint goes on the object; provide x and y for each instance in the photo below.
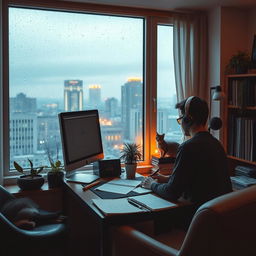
(90, 225)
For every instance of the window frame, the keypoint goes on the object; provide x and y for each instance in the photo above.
(151, 19)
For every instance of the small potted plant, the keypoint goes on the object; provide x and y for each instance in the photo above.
(55, 175)
(29, 181)
(239, 63)
(130, 154)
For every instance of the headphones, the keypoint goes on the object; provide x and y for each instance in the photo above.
(187, 119)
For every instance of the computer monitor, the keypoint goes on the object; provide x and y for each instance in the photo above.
(81, 142)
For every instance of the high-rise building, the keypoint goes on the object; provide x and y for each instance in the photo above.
(131, 100)
(48, 134)
(22, 104)
(162, 120)
(136, 125)
(73, 95)
(23, 134)
(111, 107)
(94, 95)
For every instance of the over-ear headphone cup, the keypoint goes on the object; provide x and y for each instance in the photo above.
(187, 120)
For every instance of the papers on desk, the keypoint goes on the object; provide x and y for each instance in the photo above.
(152, 202)
(136, 204)
(120, 186)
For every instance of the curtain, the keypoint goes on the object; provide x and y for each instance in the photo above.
(190, 55)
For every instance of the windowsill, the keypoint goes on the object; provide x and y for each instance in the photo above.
(14, 189)
(12, 180)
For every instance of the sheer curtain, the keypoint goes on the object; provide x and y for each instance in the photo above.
(190, 55)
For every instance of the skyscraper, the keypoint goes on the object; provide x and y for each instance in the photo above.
(131, 102)
(23, 134)
(94, 95)
(22, 104)
(73, 95)
(111, 107)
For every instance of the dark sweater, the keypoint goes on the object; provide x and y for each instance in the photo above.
(200, 171)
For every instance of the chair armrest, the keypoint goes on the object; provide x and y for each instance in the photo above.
(44, 232)
(133, 236)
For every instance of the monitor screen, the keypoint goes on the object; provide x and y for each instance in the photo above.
(81, 138)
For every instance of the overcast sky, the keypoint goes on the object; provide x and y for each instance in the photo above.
(49, 47)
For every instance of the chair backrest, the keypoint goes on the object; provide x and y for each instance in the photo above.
(4, 196)
(224, 226)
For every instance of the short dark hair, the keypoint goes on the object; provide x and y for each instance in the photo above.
(198, 110)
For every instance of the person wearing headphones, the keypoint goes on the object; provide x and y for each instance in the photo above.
(200, 171)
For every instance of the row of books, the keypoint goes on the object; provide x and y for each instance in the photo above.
(245, 177)
(242, 137)
(242, 93)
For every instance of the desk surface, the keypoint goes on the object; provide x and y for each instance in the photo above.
(86, 197)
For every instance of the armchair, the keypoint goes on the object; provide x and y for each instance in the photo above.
(42, 240)
(223, 226)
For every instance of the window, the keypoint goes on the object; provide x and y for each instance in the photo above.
(66, 61)
(63, 61)
(166, 91)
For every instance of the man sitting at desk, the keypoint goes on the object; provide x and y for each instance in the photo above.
(200, 171)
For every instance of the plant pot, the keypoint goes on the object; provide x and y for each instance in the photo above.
(130, 171)
(55, 179)
(26, 182)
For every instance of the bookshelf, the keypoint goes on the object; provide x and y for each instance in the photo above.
(240, 119)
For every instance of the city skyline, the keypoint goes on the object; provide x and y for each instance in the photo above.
(48, 47)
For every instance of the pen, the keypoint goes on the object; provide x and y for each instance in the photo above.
(91, 185)
(156, 171)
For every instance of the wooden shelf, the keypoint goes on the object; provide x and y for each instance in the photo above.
(241, 160)
(241, 75)
(246, 108)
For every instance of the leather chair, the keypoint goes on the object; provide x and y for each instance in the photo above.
(42, 240)
(224, 226)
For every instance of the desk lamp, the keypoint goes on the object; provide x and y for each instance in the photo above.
(215, 122)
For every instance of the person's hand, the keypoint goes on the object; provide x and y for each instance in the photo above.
(147, 182)
(161, 178)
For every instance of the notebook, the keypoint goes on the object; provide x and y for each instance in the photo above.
(120, 186)
(136, 204)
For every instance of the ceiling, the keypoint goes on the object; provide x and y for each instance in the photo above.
(174, 4)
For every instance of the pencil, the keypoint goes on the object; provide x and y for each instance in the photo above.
(91, 185)
(155, 172)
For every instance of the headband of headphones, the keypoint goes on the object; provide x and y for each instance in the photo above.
(187, 106)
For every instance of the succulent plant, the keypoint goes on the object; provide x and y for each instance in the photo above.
(33, 171)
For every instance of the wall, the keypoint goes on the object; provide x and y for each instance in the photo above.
(214, 44)
(230, 30)
(252, 27)
(234, 34)
(1, 83)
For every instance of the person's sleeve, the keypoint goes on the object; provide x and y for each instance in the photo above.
(180, 179)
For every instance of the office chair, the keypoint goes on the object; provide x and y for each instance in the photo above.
(223, 226)
(42, 240)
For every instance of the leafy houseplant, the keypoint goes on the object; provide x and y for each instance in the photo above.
(29, 181)
(239, 63)
(131, 154)
(55, 175)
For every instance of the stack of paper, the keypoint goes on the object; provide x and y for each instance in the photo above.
(142, 203)
(122, 186)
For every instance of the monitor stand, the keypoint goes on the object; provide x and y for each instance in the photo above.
(82, 178)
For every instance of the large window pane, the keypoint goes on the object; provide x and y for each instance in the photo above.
(166, 91)
(62, 61)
